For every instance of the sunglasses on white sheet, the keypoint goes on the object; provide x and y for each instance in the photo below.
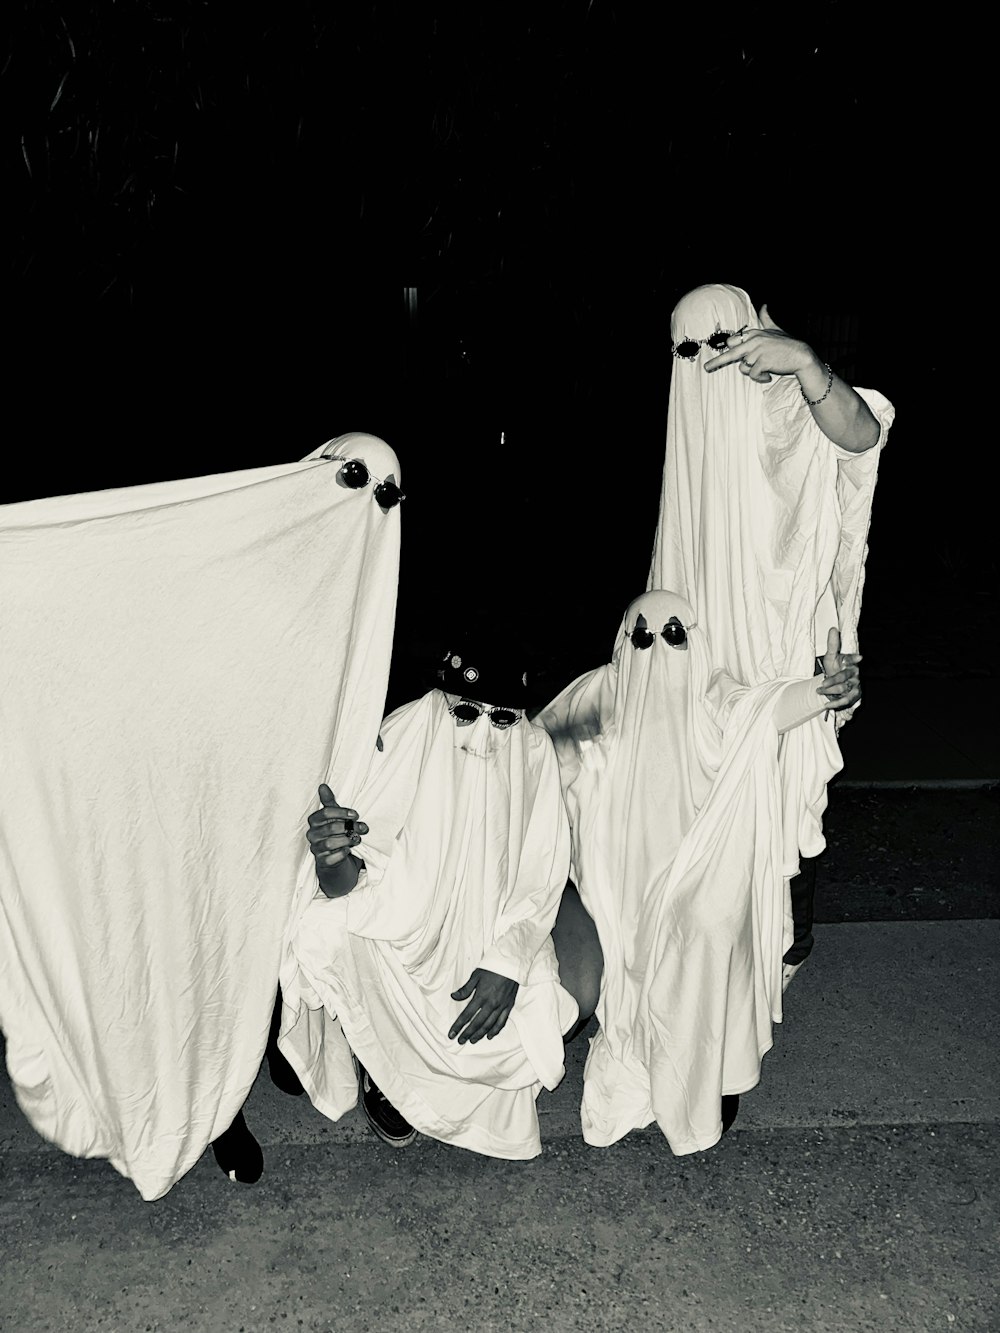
(468, 710)
(673, 632)
(355, 474)
(687, 348)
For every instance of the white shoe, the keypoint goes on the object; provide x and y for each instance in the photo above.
(788, 971)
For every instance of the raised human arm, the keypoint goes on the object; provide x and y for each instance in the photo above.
(838, 410)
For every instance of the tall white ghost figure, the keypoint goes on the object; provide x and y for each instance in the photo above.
(763, 527)
(180, 665)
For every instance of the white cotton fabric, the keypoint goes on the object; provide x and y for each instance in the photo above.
(181, 665)
(465, 864)
(670, 777)
(763, 527)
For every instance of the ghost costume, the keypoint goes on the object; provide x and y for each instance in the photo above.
(670, 776)
(465, 864)
(763, 527)
(180, 664)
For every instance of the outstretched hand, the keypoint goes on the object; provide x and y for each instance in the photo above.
(841, 682)
(761, 353)
(486, 1013)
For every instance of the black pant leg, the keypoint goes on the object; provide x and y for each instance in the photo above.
(803, 888)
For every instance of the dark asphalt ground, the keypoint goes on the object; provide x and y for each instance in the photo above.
(872, 1228)
(857, 1190)
(910, 854)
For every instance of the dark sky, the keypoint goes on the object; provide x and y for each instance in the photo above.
(216, 212)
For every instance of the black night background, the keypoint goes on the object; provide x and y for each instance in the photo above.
(238, 231)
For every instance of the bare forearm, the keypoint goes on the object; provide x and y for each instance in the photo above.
(843, 415)
(840, 412)
(798, 703)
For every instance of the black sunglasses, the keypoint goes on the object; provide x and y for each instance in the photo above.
(355, 474)
(687, 348)
(673, 632)
(467, 710)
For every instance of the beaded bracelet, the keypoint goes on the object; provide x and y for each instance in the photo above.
(814, 402)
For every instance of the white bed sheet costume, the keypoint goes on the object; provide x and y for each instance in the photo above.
(465, 863)
(763, 527)
(670, 776)
(180, 665)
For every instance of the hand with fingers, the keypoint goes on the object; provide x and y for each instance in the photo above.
(761, 353)
(489, 1008)
(333, 831)
(841, 676)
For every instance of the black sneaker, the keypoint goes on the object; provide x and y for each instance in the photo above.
(380, 1113)
(238, 1153)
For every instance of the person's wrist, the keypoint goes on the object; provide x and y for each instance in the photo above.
(334, 889)
(812, 373)
(815, 379)
(339, 880)
(336, 881)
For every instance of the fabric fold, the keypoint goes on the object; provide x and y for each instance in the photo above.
(671, 780)
(180, 666)
(763, 526)
(466, 860)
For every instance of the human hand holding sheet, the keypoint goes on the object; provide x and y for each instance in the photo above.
(333, 831)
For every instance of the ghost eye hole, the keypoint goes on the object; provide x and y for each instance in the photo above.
(354, 474)
(466, 712)
(387, 494)
(687, 348)
(642, 638)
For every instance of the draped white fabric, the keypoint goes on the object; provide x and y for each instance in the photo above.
(466, 860)
(763, 527)
(670, 777)
(180, 665)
